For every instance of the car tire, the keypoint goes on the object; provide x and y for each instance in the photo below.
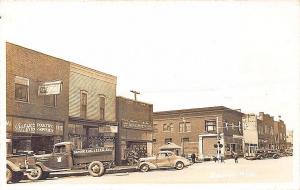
(9, 174)
(36, 173)
(144, 168)
(96, 169)
(275, 156)
(179, 165)
(260, 157)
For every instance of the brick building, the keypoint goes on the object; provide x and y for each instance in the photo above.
(251, 124)
(35, 118)
(195, 130)
(279, 135)
(135, 128)
(266, 138)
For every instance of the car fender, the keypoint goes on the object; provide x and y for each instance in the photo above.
(44, 168)
(12, 166)
(151, 165)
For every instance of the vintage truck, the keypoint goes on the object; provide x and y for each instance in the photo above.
(17, 165)
(65, 158)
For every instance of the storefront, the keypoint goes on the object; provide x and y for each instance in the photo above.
(27, 134)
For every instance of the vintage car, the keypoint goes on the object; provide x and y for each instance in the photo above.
(17, 166)
(261, 154)
(65, 158)
(164, 159)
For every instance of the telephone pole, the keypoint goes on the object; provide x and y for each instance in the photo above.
(135, 93)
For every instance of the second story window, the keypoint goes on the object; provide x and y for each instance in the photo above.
(185, 127)
(50, 100)
(21, 89)
(102, 107)
(83, 104)
(168, 127)
(210, 126)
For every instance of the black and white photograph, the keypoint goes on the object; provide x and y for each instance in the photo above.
(150, 94)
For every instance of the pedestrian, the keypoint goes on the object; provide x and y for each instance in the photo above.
(193, 156)
(222, 159)
(215, 159)
(236, 157)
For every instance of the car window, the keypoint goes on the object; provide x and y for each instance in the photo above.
(59, 149)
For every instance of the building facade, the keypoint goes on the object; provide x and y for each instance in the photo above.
(266, 138)
(279, 135)
(37, 88)
(251, 124)
(199, 130)
(135, 128)
(92, 108)
(289, 139)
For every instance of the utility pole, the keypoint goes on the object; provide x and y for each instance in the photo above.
(218, 148)
(135, 93)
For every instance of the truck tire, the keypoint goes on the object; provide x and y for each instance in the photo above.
(96, 169)
(16, 177)
(179, 165)
(8, 174)
(35, 174)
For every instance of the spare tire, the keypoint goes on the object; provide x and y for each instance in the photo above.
(96, 169)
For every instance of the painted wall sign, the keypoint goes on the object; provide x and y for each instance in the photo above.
(136, 124)
(21, 125)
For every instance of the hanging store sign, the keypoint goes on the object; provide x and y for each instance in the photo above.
(49, 88)
(137, 124)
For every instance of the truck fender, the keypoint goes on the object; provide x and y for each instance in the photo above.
(40, 164)
(12, 166)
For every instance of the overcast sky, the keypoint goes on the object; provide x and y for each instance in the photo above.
(177, 54)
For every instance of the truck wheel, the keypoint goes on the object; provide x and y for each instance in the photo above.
(16, 177)
(8, 175)
(179, 165)
(144, 168)
(96, 169)
(35, 174)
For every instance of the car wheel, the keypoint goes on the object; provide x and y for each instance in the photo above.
(179, 165)
(8, 175)
(35, 174)
(260, 157)
(275, 156)
(144, 168)
(96, 169)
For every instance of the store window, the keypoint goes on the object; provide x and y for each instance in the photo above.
(50, 100)
(102, 107)
(210, 126)
(21, 89)
(83, 104)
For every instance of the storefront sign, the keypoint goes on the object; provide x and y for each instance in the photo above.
(137, 124)
(21, 125)
(108, 129)
(44, 127)
(49, 88)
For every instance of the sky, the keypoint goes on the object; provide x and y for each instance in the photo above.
(238, 54)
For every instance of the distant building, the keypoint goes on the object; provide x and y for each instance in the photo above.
(195, 130)
(266, 138)
(135, 128)
(37, 88)
(251, 125)
(279, 135)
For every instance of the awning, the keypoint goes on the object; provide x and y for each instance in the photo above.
(170, 146)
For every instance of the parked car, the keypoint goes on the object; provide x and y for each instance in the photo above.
(164, 159)
(261, 154)
(17, 166)
(65, 158)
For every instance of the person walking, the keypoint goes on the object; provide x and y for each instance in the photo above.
(193, 156)
(236, 157)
